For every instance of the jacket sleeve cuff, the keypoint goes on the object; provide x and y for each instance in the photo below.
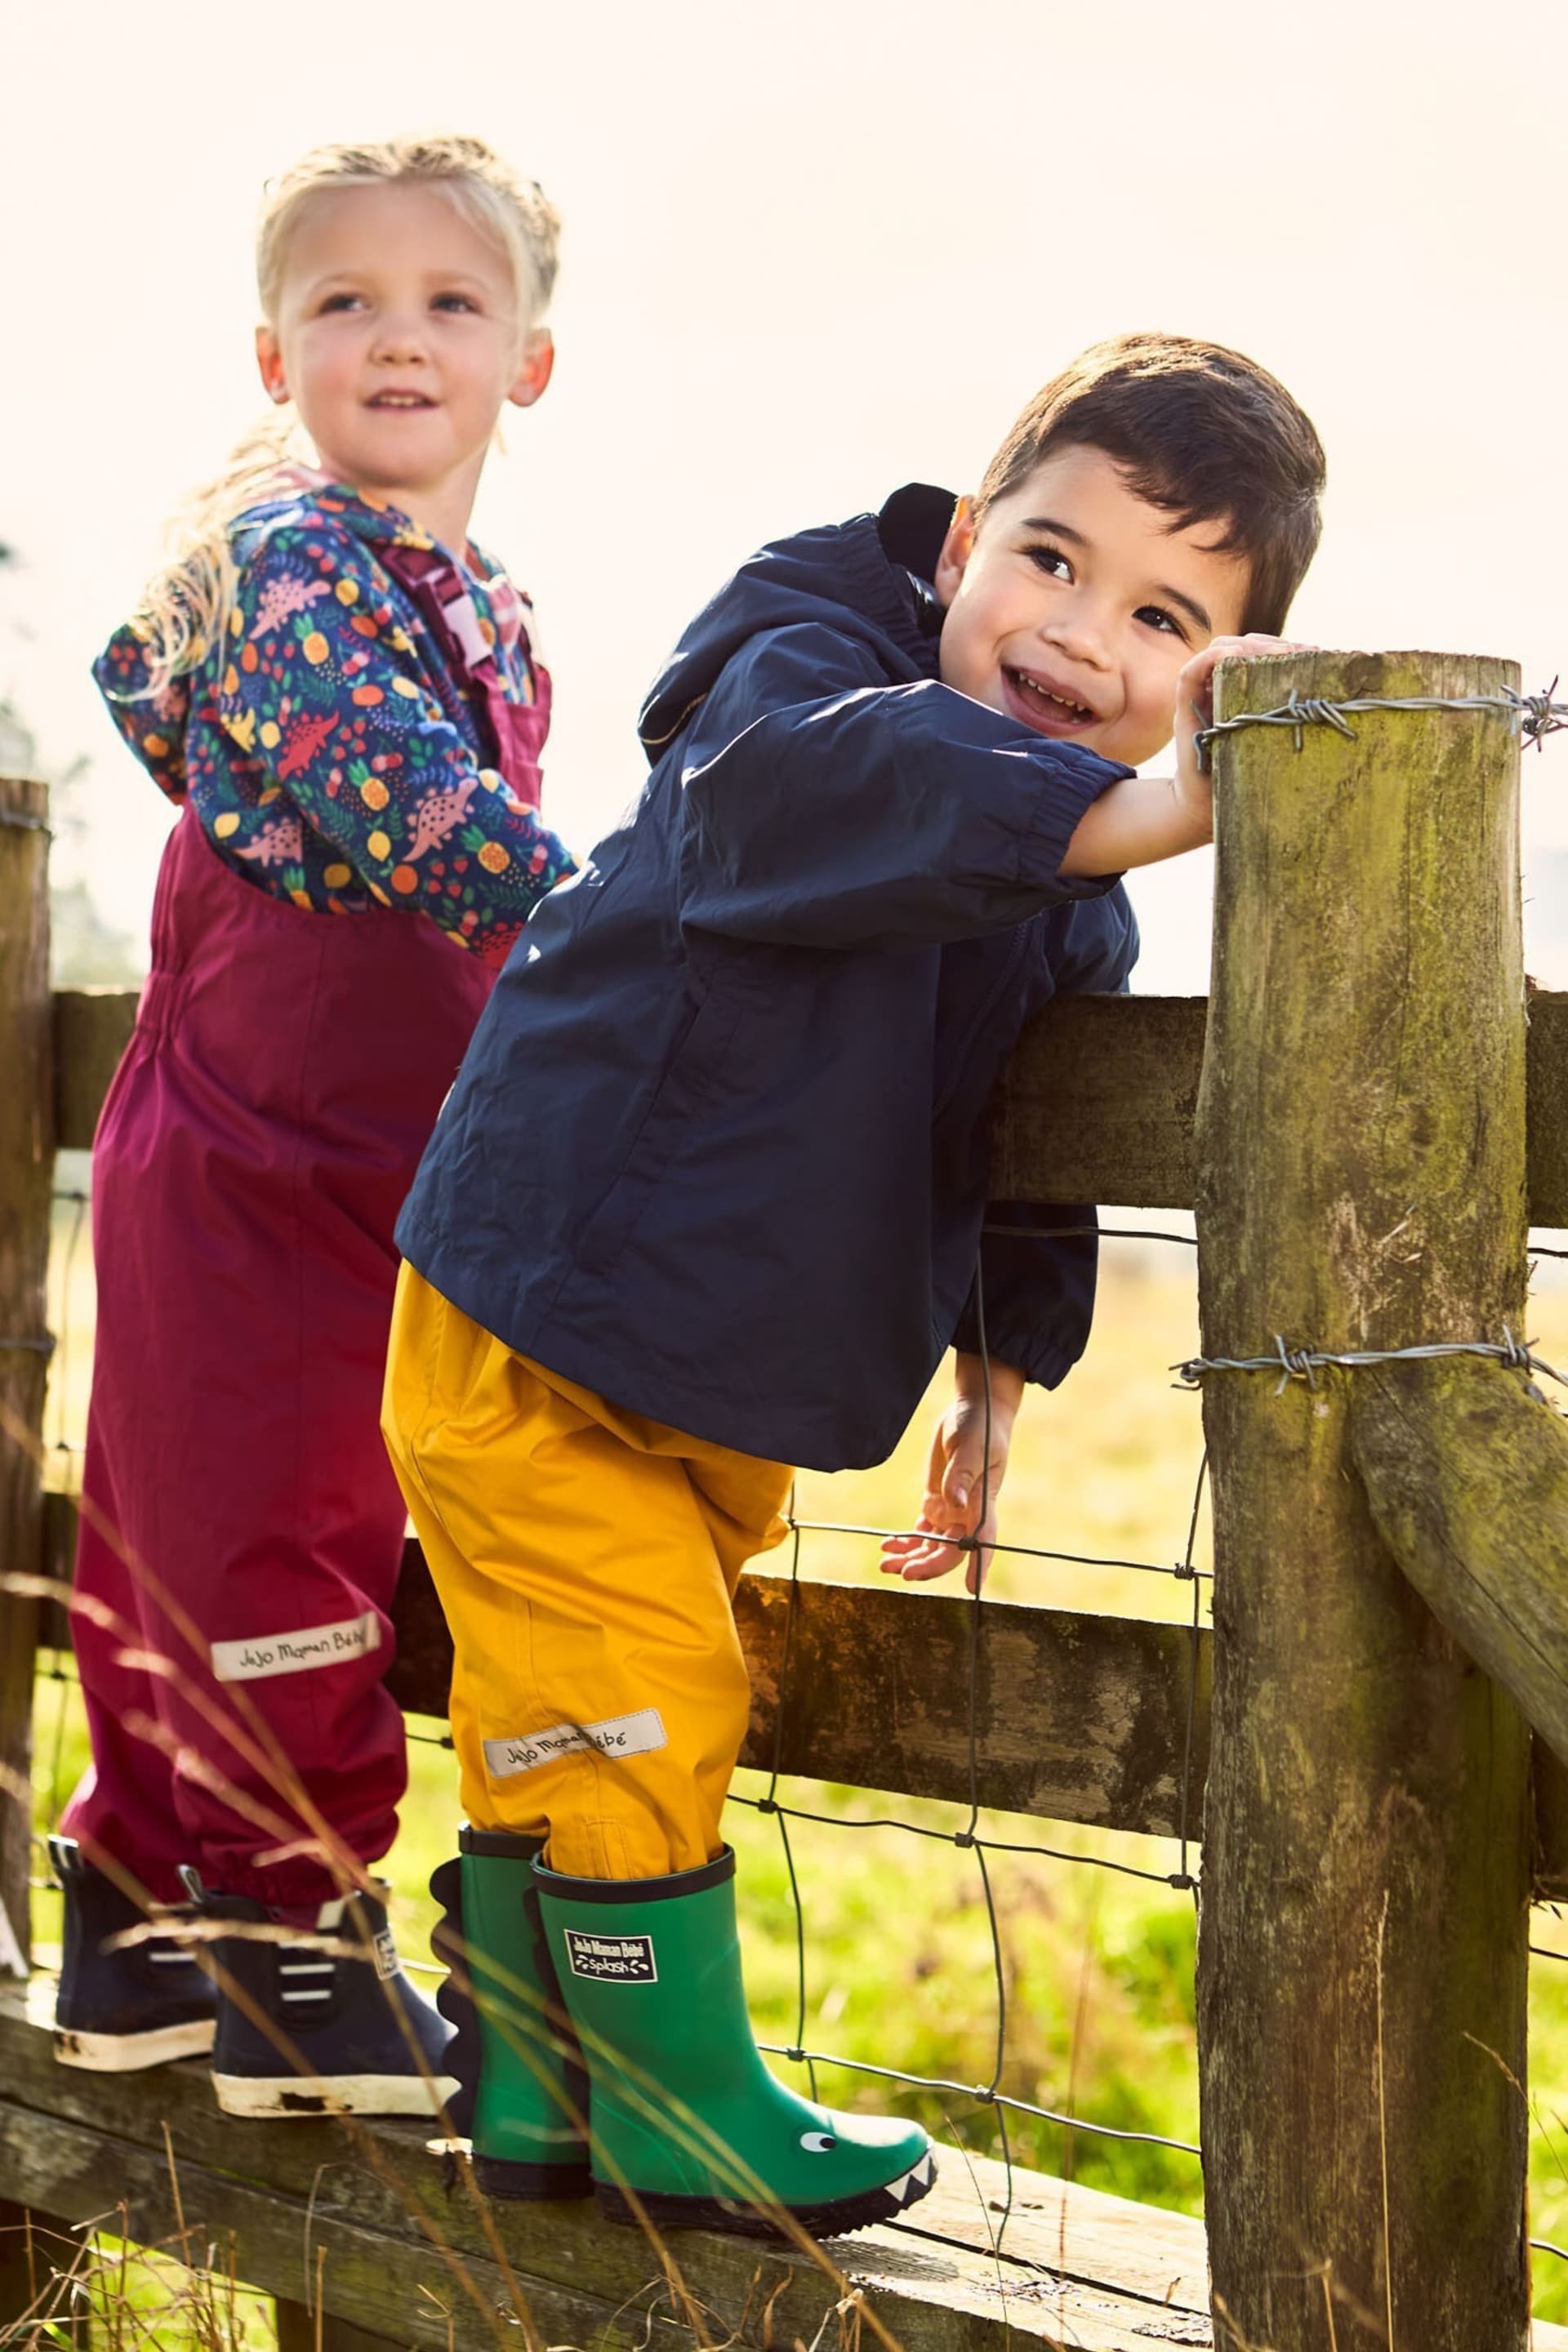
(1045, 1360)
(1038, 1294)
(1067, 793)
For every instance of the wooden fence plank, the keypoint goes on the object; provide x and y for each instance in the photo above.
(1104, 1740)
(1081, 2268)
(1466, 1474)
(1077, 1717)
(1097, 1103)
(374, 2180)
(83, 2173)
(27, 1167)
(1546, 1123)
(92, 1028)
(301, 2330)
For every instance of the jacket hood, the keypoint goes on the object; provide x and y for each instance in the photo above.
(872, 574)
(125, 665)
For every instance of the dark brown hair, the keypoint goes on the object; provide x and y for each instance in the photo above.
(1197, 430)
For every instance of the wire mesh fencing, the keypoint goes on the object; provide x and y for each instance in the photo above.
(983, 1841)
(820, 1833)
(65, 1439)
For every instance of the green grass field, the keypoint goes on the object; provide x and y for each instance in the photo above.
(1096, 1968)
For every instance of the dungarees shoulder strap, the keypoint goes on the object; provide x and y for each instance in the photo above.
(512, 733)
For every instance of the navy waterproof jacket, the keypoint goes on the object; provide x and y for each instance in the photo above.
(718, 1150)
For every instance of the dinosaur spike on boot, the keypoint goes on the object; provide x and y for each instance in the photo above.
(522, 2093)
(452, 2001)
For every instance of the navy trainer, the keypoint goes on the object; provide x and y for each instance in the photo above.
(138, 2005)
(307, 2026)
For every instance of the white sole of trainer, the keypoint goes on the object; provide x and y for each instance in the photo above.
(126, 2054)
(292, 2096)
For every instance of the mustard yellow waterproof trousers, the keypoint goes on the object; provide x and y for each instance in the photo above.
(586, 1560)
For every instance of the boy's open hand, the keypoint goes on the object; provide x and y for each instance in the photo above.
(1195, 711)
(954, 1483)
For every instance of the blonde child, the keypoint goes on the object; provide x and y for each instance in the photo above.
(337, 688)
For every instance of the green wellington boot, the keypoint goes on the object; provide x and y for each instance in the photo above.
(522, 2094)
(688, 2128)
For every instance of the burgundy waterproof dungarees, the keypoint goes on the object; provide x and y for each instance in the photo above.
(239, 1517)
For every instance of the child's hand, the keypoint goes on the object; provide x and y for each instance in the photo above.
(1195, 711)
(1144, 818)
(951, 1507)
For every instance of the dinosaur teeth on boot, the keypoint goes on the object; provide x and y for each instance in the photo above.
(453, 2004)
(913, 2185)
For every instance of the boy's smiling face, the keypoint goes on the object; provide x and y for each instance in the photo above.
(1074, 605)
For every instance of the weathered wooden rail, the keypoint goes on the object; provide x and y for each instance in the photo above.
(385, 2212)
(1100, 1102)
(1082, 1716)
(1087, 1719)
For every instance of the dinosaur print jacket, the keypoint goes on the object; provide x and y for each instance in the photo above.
(369, 732)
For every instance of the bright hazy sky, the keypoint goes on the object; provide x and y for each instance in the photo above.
(811, 253)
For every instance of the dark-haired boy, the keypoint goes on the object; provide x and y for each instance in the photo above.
(707, 1199)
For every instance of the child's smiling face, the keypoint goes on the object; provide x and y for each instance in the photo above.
(1073, 606)
(398, 337)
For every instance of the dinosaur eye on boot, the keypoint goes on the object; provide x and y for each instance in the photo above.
(819, 2143)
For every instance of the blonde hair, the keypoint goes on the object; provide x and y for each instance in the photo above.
(185, 606)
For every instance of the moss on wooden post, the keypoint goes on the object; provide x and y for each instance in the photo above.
(27, 1166)
(1362, 1143)
(1466, 1474)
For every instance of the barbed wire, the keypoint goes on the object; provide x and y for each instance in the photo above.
(1303, 1363)
(1538, 714)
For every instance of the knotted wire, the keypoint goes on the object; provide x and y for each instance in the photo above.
(1538, 715)
(1304, 1363)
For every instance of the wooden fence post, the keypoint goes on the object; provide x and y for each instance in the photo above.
(1367, 1835)
(26, 1172)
